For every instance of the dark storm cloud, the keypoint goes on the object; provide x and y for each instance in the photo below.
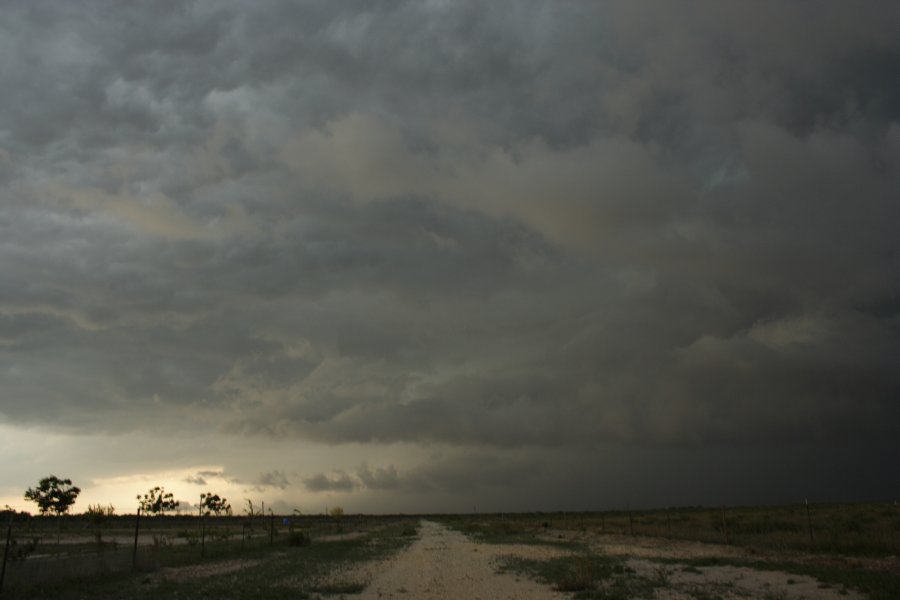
(203, 477)
(365, 478)
(382, 478)
(215, 474)
(336, 482)
(507, 225)
(272, 479)
(621, 476)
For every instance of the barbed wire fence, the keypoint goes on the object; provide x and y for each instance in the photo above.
(35, 554)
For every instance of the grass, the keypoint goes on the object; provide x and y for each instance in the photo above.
(276, 571)
(506, 531)
(851, 529)
(779, 536)
(298, 538)
(591, 576)
(587, 576)
(342, 587)
(865, 529)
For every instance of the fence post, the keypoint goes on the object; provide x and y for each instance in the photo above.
(668, 524)
(137, 527)
(271, 527)
(6, 552)
(58, 533)
(725, 526)
(630, 523)
(203, 536)
(809, 521)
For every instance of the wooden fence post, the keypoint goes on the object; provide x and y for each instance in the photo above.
(809, 521)
(725, 526)
(203, 536)
(137, 527)
(58, 533)
(6, 552)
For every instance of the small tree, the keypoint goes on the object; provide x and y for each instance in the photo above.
(212, 504)
(98, 515)
(337, 513)
(157, 501)
(252, 512)
(53, 494)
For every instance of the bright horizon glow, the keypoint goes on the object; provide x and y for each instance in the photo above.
(121, 491)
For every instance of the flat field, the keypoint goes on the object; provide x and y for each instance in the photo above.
(847, 551)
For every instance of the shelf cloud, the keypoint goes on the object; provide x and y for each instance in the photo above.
(438, 245)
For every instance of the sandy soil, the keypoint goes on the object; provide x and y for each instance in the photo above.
(729, 583)
(724, 581)
(447, 565)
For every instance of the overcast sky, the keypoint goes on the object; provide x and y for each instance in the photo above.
(442, 255)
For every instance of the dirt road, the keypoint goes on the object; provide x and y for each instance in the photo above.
(446, 564)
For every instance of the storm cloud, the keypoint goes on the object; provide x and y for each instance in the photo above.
(526, 233)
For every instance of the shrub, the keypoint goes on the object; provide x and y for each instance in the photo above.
(191, 536)
(20, 550)
(298, 538)
(579, 577)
